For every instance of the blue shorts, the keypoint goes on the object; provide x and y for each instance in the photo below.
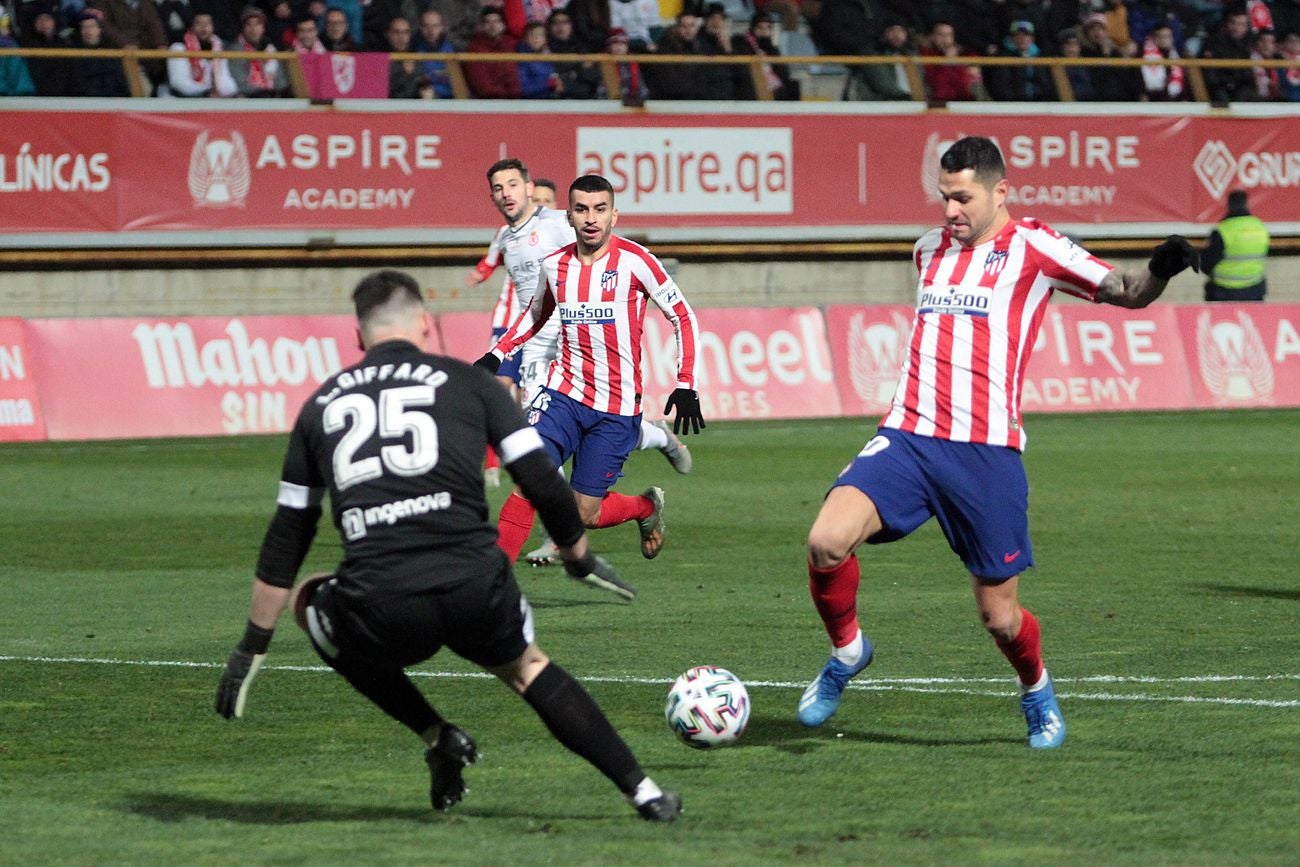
(598, 442)
(978, 493)
(510, 366)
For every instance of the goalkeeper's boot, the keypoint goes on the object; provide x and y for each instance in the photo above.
(652, 527)
(447, 759)
(676, 451)
(822, 697)
(665, 808)
(1043, 714)
(546, 554)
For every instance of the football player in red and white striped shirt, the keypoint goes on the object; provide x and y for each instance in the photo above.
(590, 410)
(949, 447)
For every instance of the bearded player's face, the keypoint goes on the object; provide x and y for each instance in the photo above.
(510, 193)
(592, 216)
(970, 207)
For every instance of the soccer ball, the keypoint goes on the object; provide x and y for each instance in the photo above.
(707, 707)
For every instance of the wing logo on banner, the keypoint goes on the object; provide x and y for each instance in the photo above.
(875, 358)
(935, 147)
(219, 171)
(1215, 166)
(1234, 363)
(344, 68)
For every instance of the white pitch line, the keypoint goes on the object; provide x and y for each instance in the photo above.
(932, 685)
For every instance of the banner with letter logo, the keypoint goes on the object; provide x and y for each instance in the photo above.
(1242, 354)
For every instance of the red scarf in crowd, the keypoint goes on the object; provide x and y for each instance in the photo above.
(1166, 78)
(256, 68)
(196, 63)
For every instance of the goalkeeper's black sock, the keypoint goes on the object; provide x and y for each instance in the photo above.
(577, 721)
(394, 693)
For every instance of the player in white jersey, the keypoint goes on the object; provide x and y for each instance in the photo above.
(950, 445)
(590, 409)
(534, 229)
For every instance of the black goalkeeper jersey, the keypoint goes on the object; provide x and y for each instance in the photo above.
(398, 441)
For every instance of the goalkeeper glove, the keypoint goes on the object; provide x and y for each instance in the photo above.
(241, 668)
(689, 417)
(1171, 256)
(489, 362)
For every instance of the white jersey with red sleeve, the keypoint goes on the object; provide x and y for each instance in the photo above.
(978, 312)
(601, 310)
(506, 310)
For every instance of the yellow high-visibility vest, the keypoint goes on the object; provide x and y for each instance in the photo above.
(1245, 247)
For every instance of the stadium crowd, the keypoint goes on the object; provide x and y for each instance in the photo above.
(1156, 29)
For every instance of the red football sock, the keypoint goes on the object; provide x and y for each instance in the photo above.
(835, 594)
(514, 524)
(491, 461)
(1025, 651)
(619, 508)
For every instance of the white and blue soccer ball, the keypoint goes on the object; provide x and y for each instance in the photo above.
(707, 707)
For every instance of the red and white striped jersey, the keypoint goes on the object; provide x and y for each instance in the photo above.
(601, 309)
(978, 311)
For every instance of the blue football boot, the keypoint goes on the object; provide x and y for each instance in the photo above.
(822, 697)
(1043, 714)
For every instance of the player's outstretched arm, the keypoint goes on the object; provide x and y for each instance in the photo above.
(245, 660)
(1138, 288)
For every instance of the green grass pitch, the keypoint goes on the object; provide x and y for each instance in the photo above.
(1167, 588)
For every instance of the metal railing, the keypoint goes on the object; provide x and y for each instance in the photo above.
(913, 66)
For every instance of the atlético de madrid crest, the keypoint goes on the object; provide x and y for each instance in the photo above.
(994, 262)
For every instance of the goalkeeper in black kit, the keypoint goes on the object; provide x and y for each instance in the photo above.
(398, 441)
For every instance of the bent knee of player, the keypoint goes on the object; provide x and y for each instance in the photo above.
(829, 546)
(520, 673)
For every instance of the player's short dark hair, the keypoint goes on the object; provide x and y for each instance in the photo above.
(506, 165)
(592, 184)
(1237, 199)
(378, 288)
(544, 182)
(978, 154)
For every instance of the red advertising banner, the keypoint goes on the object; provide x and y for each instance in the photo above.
(20, 408)
(1242, 354)
(313, 169)
(752, 363)
(465, 335)
(197, 376)
(1088, 358)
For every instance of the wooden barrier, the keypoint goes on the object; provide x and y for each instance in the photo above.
(913, 65)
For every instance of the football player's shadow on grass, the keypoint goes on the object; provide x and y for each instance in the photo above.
(789, 735)
(1259, 592)
(176, 807)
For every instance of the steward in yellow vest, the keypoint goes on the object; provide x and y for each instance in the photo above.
(1235, 255)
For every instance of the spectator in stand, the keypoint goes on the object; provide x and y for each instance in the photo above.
(50, 75)
(377, 15)
(974, 23)
(880, 81)
(497, 79)
(352, 15)
(1235, 255)
(176, 17)
(281, 25)
(1286, 19)
(788, 12)
(1062, 15)
(578, 80)
(306, 37)
(337, 33)
(677, 80)
(1289, 78)
(632, 86)
(15, 79)
(256, 78)
(95, 76)
(1231, 42)
(1011, 12)
(404, 76)
(948, 83)
(639, 19)
(200, 76)
(1080, 77)
(24, 12)
(591, 23)
(1111, 84)
(1144, 15)
(225, 16)
(537, 78)
(134, 24)
(1017, 83)
(1162, 83)
(433, 39)
(716, 80)
(758, 40)
(1268, 80)
(1116, 15)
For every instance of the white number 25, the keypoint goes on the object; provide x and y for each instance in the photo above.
(393, 418)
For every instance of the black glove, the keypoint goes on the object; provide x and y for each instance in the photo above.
(241, 668)
(489, 362)
(689, 418)
(1171, 256)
